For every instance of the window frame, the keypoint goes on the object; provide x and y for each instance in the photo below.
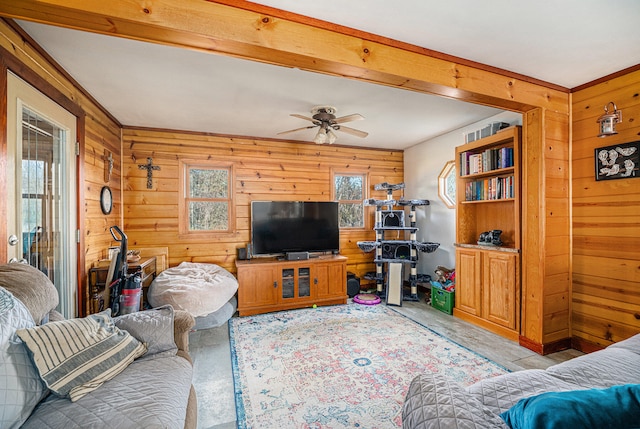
(448, 170)
(185, 166)
(365, 189)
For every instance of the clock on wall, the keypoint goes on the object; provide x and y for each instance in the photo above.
(106, 200)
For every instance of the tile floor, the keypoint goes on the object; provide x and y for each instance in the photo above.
(213, 379)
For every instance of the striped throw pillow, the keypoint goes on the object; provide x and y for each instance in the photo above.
(76, 356)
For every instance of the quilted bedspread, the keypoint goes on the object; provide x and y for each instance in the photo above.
(434, 402)
(124, 401)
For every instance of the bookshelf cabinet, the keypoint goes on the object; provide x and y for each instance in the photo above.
(488, 198)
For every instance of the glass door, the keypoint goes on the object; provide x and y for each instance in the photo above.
(41, 188)
(304, 282)
(288, 283)
(296, 283)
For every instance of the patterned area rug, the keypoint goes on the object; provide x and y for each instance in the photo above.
(347, 366)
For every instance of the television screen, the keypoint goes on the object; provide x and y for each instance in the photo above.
(294, 226)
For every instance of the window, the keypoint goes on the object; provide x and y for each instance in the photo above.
(33, 193)
(34, 208)
(207, 204)
(447, 184)
(349, 191)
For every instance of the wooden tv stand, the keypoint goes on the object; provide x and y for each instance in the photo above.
(269, 284)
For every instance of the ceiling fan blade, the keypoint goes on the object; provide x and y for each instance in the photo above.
(352, 131)
(306, 118)
(348, 118)
(297, 129)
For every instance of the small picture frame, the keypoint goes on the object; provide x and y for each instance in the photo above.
(620, 161)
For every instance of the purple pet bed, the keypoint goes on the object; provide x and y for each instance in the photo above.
(366, 299)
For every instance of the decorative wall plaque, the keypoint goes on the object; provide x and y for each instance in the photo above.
(619, 161)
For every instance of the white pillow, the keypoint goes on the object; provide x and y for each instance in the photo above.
(20, 386)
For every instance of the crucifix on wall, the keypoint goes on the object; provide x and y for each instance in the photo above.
(108, 164)
(149, 167)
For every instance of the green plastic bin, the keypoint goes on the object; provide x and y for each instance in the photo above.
(442, 300)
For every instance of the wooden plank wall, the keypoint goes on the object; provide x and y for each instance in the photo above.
(264, 170)
(606, 221)
(100, 136)
(101, 132)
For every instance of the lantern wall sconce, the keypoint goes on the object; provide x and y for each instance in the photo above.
(608, 121)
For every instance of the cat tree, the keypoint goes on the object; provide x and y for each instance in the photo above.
(393, 254)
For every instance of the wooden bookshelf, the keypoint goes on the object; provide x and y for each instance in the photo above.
(488, 198)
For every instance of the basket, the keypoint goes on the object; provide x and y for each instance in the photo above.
(442, 300)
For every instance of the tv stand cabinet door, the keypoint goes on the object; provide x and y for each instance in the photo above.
(330, 280)
(295, 282)
(257, 288)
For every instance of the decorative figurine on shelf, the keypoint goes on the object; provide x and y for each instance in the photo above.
(490, 238)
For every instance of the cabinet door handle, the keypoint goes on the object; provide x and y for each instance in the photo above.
(315, 281)
(275, 284)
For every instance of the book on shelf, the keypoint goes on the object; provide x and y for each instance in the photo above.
(488, 160)
(495, 188)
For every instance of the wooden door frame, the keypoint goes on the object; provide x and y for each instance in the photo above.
(9, 62)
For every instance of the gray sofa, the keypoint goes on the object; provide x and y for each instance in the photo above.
(434, 402)
(153, 391)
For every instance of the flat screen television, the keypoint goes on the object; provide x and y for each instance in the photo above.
(294, 226)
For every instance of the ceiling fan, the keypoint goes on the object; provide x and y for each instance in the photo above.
(324, 117)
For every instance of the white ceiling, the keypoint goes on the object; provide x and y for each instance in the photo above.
(567, 43)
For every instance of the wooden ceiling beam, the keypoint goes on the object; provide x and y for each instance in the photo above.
(217, 28)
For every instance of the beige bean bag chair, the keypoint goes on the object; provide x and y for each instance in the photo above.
(200, 289)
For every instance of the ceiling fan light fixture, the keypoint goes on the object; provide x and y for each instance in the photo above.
(321, 137)
(331, 136)
(325, 119)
